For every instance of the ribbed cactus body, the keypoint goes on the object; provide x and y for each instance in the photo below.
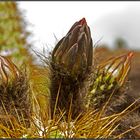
(72, 60)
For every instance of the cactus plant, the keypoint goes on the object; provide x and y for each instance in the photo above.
(14, 92)
(72, 60)
(109, 77)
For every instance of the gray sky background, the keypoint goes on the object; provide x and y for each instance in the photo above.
(107, 20)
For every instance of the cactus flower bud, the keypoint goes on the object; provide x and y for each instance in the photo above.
(14, 93)
(8, 70)
(110, 76)
(119, 67)
(74, 51)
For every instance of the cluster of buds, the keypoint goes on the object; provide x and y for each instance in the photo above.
(74, 52)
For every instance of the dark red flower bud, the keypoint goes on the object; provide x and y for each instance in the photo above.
(74, 52)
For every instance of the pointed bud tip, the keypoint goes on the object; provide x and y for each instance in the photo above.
(130, 54)
(82, 21)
